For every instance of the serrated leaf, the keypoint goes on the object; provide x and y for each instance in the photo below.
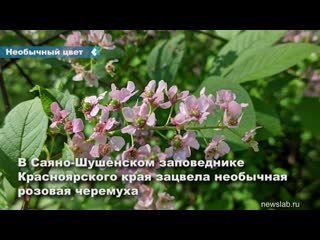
(164, 60)
(23, 135)
(270, 61)
(214, 84)
(268, 118)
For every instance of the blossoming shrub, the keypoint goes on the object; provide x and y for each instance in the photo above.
(98, 112)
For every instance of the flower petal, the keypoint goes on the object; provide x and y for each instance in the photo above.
(77, 125)
(151, 120)
(94, 152)
(55, 108)
(129, 129)
(128, 114)
(78, 77)
(117, 143)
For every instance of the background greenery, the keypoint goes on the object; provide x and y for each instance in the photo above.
(255, 64)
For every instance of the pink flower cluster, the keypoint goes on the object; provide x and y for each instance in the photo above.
(300, 36)
(78, 142)
(312, 88)
(114, 118)
(95, 37)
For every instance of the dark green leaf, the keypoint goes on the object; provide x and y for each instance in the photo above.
(65, 100)
(23, 135)
(308, 110)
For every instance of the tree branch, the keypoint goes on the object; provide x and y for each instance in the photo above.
(22, 36)
(210, 35)
(23, 73)
(4, 93)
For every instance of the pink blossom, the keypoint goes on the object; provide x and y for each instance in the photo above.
(74, 126)
(101, 38)
(147, 152)
(104, 149)
(173, 97)
(105, 124)
(216, 148)
(193, 109)
(181, 146)
(311, 75)
(224, 97)
(59, 116)
(249, 139)
(145, 197)
(119, 97)
(91, 106)
(209, 99)
(74, 39)
(90, 78)
(151, 153)
(164, 201)
(131, 153)
(300, 36)
(233, 114)
(151, 33)
(153, 96)
(139, 117)
(79, 146)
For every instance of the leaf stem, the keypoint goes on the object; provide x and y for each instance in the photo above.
(204, 138)
(163, 136)
(169, 117)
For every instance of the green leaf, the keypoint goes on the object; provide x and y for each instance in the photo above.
(244, 43)
(252, 39)
(227, 34)
(268, 118)
(23, 135)
(3, 200)
(270, 61)
(164, 60)
(248, 121)
(280, 171)
(308, 110)
(251, 204)
(224, 203)
(65, 100)
(67, 154)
